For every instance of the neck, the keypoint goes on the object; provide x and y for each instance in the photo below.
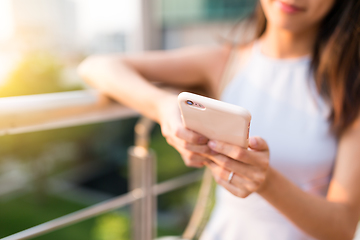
(281, 43)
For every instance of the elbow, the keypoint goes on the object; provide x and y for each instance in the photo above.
(102, 72)
(84, 66)
(87, 66)
(91, 71)
(94, 67)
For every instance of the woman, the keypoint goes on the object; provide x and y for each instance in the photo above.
(300, 80)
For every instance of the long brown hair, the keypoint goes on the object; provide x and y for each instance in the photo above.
(335, 61)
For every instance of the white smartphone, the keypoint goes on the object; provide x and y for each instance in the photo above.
(215, 119)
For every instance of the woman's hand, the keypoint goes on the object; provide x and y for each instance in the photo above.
(249, 166)
(191, 145)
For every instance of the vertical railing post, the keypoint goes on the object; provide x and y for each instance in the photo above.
(142, 162)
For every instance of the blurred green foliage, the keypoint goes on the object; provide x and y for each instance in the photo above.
(176, 205)
(47, 153)
(112, 226)
(24, 212)
(38, 72)
(106, 142)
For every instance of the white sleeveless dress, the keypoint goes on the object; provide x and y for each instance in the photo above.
(289, 114)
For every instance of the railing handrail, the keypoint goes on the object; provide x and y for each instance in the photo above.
(68, 109)
(47, 101)
(104, 207)
(32, 113)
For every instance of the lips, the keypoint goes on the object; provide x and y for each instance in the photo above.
(289, 8)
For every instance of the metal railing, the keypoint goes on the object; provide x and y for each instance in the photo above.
(58, 110)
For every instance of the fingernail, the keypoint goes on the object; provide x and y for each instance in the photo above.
(253, 142)
(212, 144)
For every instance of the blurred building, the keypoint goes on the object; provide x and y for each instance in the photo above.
(103, 43)
(188, 22)
(45, 24)
(190, 11)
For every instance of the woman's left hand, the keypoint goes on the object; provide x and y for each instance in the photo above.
(249, 166)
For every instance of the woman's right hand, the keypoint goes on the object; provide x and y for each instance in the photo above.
(189, 144)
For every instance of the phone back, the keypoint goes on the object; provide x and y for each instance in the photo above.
(215, 119)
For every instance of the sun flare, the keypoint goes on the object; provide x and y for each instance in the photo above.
(6, 20)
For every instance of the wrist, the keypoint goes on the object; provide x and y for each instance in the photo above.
(164, 105)
(269, 180)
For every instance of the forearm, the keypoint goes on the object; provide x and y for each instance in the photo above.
(122, 83)
(315, 215)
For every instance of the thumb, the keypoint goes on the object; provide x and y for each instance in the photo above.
(257, 143)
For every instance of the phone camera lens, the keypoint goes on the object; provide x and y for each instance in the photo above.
(188, 102)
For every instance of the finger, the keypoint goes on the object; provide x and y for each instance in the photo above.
(237, 179)
(200, 149)
(190, 163)
(191, 136)
(239, 191)
(258, 144)
(232, 151)
(224, 161)
(242, 169)
(254, 173)
(192, 159)
(180, 143)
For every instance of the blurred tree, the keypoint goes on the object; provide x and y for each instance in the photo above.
(106, 143)
(38, 72)
(112, 226)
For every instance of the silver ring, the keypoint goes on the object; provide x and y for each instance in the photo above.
(231, 175)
